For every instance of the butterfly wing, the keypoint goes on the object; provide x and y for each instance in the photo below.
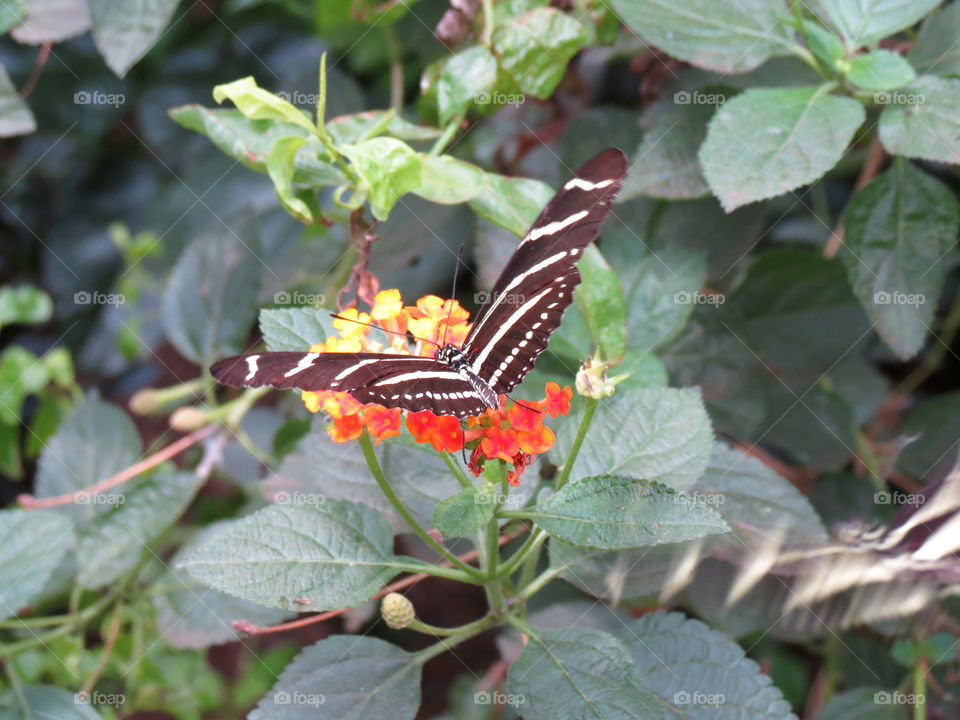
(528, 300)
(399, 381)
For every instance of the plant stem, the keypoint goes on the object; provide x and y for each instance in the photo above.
(455, 470)
(919, 692)
(9, 649)
(487, 37)
(441, 647)
(371, 457)
(537, 584)
(493, 588)
(588, 410)
(449, 131)
(396, 69)
(422, 627)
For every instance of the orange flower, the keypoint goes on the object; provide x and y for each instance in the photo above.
(558, 401)
(381, 422)
(500, 444)
(443, 432)
(527, 419)
(536, 442)
(346, 428)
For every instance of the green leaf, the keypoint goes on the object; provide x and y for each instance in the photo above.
(823, 43)
(466, 78)
(15, 115)
(923, 120)
(766, 142)
(96, 441)
(700, 672)
(938, 649)
(726, 36)
(899, 230)
(281, 166)
(10, 462)
(21, 374)
(511, 203)
(24, 304)
(936, 50)
(879, 70)
(51, 21)
(11, 15)
(935, 425)
(211, 297)
(862, 703)
(345, 676)
(113, 543)
(600, 299)
(578, 673)
(612, 512)
(659, 434)
(259, 104)
(535, 48)
(348, 129)
(46, 702)
(865, 21)
(32, 544)
(294, 328)
(125, 31)
(320, 557)
(464, 513)
(448, 181)
(388, 167)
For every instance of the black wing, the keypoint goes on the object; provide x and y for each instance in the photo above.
(400, 381)
(528, 300)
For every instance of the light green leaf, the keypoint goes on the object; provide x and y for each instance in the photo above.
(24, 304)
(345, 676)
(46, 702)
(124, 31)
(448, 181)
(922, 120)
(259, 104)
(700, 672)
(823, 43)
(15, 115)
(729, 36)
(613, 512)
(879, 70)
(96, 441)
(658, 434)
(899, 231)
(113, 543)
(862, 703)
(348, 129)
(766, 142)
(21, 374)
(294, 328)
(511, 203)
(51, 21)
(862, 22)
(11, 15)
(388, 167)
(210, 300)
(535, 47)
(600, 299)
(464, 513)
(331, 555)
(466, 78)
(936, 50)
(579, 673)
(10, 462)
(281, 166)
(32, 544)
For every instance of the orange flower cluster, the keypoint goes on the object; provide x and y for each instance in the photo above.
(513, 433)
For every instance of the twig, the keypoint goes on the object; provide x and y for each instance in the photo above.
(109, 642)
(41, 62)
(871, 166)
(173, 449)
(247, 627)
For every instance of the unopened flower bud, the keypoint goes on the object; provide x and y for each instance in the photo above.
(188, 419)
(592, 380)
(397, 612)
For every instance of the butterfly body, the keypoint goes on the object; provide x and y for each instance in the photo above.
(509, 332)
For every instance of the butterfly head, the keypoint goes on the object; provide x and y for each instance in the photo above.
(452, 356)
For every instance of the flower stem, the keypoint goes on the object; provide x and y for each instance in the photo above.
(487, 37)
(455, 470)
(448, 134)
(422, 627)
(588, 410)
(371, 457)
(919, 691)
(493, 588)
(472, 630)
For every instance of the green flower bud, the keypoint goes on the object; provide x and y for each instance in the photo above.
(397, 612)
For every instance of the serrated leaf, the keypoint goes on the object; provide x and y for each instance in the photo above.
(259, 104)
(579, 673)
(658, 434)
(600, 299)
(879, 70)
(96, 441)
(281, 166)
(113, 543)
(922, 120)
(765, 142)
(32, 544)
(15, 115)
(935, 426)
(448, 181)
(210, 299)
(345, 676)
(535, 47)
(357, 127)
(294, 328)
(899, 230)
(46, 702)
(613, 512)
(862, 22)
(333, 554)
(511, 203)
(936, 50)
(862, 703)
(124, 31)
(700, 672)
(51, 21)
(727, 37)
(466, 77)
(464, 513)
(389, 167)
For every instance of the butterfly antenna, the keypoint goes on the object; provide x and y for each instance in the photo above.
(453, 292)
(523, 404)
(377, 327)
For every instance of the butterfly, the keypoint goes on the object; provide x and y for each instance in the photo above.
(511, 329)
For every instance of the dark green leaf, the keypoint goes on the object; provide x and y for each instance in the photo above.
(125, 31)
(936, 50)
(922, 120)
(866, 21)
(464, 513)
(15, 115)
(934, 426)
(879, 70)
(10, 463)
(862, 703)
(466, 79)
(32, 544)
(389, 168)
(600, 299)
(899, 230)
(46, 702)
(511, 203)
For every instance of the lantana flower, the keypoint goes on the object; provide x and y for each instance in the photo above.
(514, 432)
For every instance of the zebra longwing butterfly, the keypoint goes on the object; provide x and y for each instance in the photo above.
(509, 332)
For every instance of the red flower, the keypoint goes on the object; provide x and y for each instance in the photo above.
(558, 401)
(382, 422)
(537, 441)
(443, 432)
(499, 443)
(345, 428)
